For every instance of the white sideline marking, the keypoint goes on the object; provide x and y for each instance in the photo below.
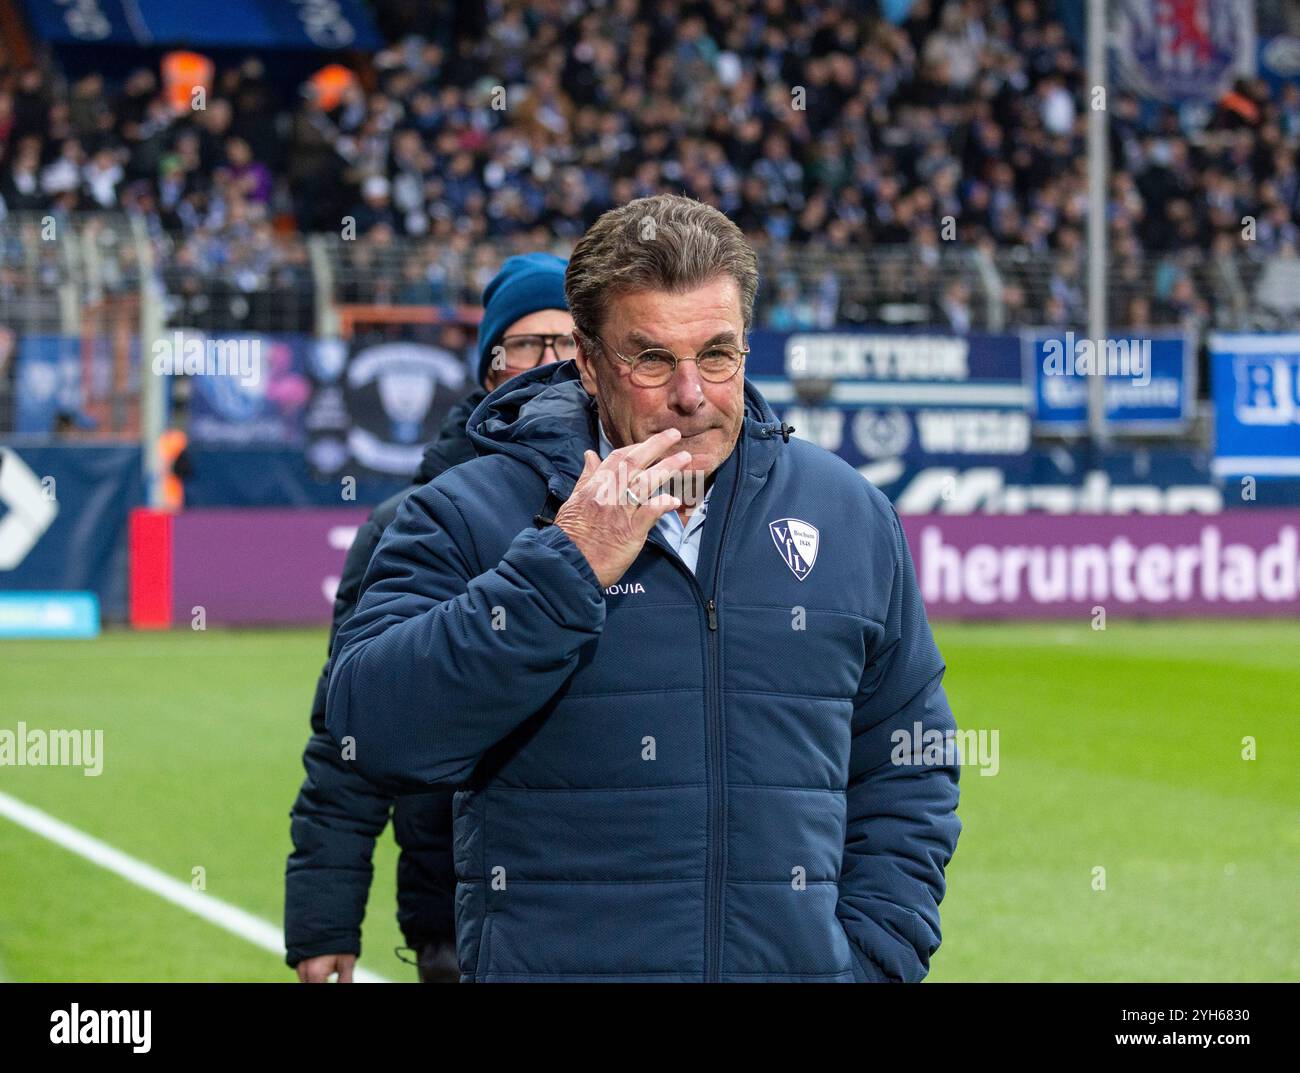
(237, 921)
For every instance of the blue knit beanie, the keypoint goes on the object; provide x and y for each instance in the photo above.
(526, 283)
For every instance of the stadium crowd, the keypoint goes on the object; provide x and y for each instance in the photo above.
(823, 130)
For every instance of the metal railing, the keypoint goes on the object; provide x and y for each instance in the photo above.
(103, 283)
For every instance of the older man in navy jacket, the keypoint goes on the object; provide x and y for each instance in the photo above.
(663, 652)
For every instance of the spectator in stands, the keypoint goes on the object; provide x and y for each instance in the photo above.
(955, 307)
(101, 177)
(251, 179)
(21, 187)
(375, 209)
(809, 125)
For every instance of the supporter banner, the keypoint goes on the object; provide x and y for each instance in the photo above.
(63, 520)
(280, 24)
(1037, 566)
(1178, 50)
(91, 382)
(375, 409)
(49, 382)
(1151, 386)
(247, 390)
(257, 567)
(869, 396)
(1255, 380)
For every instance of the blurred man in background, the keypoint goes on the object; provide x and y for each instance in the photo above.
(339, 814)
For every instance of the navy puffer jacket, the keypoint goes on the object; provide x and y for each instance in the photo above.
(679, 778)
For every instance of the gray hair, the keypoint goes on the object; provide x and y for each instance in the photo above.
(661, 243)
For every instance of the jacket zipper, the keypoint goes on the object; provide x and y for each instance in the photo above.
(713, 709)
(718, 865)
(712, 882)
(717, 809)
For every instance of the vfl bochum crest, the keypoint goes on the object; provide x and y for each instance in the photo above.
(797, 543)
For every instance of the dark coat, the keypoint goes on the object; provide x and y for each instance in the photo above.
(681, 777)
(339, 814)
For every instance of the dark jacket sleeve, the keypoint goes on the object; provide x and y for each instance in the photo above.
(443, 659)
(337, 816)
(902, 824)
(426, 870)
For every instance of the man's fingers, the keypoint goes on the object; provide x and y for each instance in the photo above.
(317, 970)
(651, 450)
(661, 505)
(634, 459)
(590, 464)
(653, 478)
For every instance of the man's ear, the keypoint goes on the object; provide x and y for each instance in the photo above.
(584, 359)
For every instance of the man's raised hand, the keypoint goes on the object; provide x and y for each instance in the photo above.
(602, 520)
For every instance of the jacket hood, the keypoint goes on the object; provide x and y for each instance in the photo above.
(546, 419)
(451, 446)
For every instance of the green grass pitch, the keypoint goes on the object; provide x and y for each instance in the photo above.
(1118, 750)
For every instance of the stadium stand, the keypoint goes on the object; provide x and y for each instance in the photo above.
(841, 144)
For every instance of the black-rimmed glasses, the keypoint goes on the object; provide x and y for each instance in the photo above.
(521, 352)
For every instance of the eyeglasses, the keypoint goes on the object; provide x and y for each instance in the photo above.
(654, 367)
(525, 351)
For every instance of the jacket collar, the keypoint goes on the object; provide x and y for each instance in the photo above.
(450, 446)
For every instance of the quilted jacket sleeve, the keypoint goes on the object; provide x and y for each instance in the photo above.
(443, 658)
(902, 825)
(337, 816)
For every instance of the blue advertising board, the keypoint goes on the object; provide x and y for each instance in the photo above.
(911, 395)
(1157, 479)
(1150, 381)
(1255, 380)
(63, 521)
